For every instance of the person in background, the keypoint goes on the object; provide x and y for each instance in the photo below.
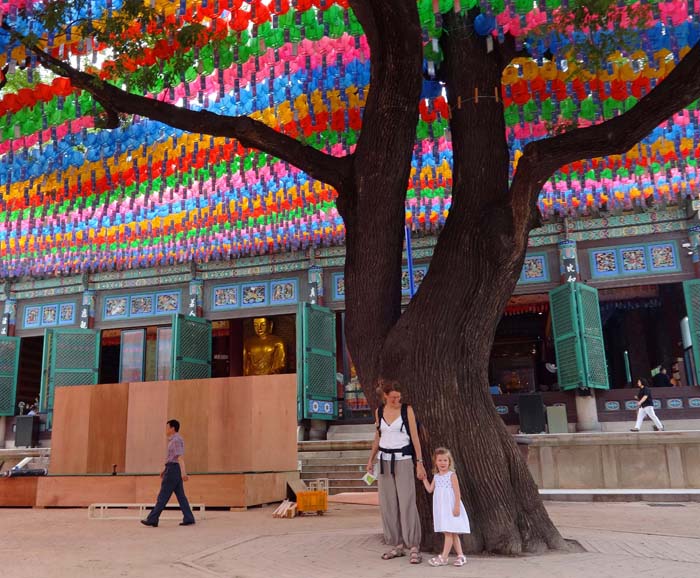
(645, 403)
(661, 379)
(495, 389)
(173, 475)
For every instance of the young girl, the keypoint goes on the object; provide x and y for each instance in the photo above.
(449, 515)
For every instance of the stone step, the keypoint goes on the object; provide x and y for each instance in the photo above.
(338, 475)
(333, 490)
(333, 461)
(330, 445)
(351, 432)
(352, 455)
(321, 471)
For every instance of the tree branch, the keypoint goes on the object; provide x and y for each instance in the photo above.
(615, 136)
(335, 171)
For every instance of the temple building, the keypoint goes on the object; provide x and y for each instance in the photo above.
(145, 254)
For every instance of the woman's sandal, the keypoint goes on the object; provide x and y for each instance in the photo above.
(415, 557)
(438, 561)
(393, 553)
(460, 561)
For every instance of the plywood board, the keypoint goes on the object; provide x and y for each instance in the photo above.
(229, 426)
(188, 402)
(81, 491)
(71, 426)
(267, 488)
(274, 423)
(145, 427)
(107, 432)
(213, 490)
(18, 492)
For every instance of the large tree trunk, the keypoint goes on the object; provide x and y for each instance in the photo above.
(440, 347)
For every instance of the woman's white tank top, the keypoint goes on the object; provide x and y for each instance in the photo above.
(393, 438)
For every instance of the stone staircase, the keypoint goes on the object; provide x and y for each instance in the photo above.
(351, 432)
(342, 462)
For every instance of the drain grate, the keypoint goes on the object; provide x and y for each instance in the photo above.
(666, 505)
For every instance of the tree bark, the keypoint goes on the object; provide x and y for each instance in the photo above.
(441, 346)
(374, 208)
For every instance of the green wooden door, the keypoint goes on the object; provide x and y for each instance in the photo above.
(592, 344)
(567, 337)
(9, 368)
(192, 343)
(316, 363)
(578, 337)
(71, 357)
(692, 307)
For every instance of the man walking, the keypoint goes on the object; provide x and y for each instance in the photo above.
(645, 403)
(173, 476)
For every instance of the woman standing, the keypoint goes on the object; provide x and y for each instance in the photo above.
(396, 440)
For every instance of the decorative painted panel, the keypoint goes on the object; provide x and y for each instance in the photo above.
(117, 307)
(141, 306)
(338, 286)
(284, 292)
(49, 315)
(664, 257)
(647, 259)
(419, 273)
(535, 269)
(256, 294)
(167, 303)
(225, 297)
(604, 263)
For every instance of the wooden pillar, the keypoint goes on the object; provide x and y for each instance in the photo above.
(586, 408)
(568, 261)
(694, 237)
(87, 310)
(9, 318)
(195, 307)
(316, 293)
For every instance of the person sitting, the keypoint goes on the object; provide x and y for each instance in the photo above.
(661, 379)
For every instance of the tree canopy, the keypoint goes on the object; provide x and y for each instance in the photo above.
(73, 198)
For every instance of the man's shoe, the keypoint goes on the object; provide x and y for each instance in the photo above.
(656, 428)
(147, 523)
(186, 523)
(634, 429)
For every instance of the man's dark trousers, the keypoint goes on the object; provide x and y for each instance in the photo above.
(172, 482)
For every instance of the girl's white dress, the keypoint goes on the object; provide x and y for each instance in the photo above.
(443, 506)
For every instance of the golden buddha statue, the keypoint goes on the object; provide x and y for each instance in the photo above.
(263, 353)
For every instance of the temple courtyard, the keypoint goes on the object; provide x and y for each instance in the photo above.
(610, 540)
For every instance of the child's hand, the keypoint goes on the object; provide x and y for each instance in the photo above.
(455, 512)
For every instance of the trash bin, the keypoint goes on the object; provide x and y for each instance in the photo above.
(556, 419)
(27, 431)
(531, 412)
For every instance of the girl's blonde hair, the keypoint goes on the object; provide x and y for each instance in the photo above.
(443, 452)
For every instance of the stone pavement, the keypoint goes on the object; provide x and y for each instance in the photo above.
(619, 540)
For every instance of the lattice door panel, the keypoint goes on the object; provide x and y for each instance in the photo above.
(569, 366)
(317, 365)
(595, 362)
(192, 348)
(563, 307)
(692, 306)
(9, 368)
(578, 337)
